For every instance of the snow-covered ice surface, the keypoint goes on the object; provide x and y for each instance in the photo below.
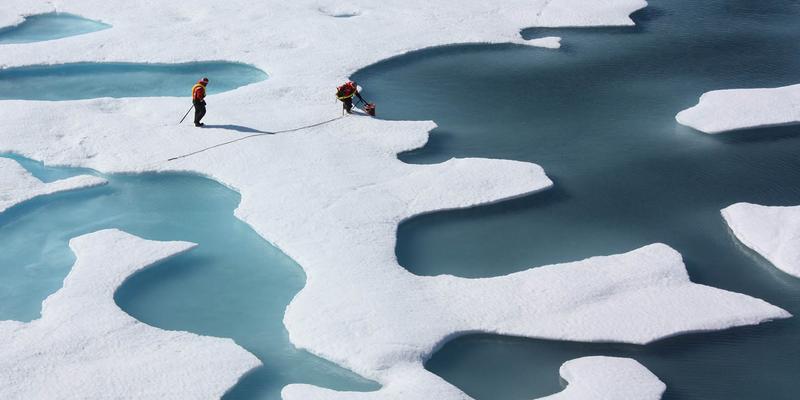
(727, 110)
(772, 232)
(85, 347)
(608, 378)
(18, 185)
(332, 196)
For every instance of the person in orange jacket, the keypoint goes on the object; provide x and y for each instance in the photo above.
(345, 94)
(198, 99)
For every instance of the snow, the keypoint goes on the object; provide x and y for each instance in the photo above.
(85, 347)
(332, 196)
(608, 378)
(772, 232)
(18, 185)
(726, 110)
(550, 42)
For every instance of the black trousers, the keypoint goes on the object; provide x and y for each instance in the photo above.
(348, 104)
(199, 111)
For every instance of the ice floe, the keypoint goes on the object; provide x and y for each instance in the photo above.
(18, 185)
(332, 196)
(608, 378)
(85, 347)
(726, 110)
(773, 232)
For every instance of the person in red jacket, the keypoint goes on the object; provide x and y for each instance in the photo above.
(345, 94)
(198, 99)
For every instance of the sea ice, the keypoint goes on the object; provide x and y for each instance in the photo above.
(18, 185)
(85, 347)
(608, 378)
(726, 110)
(773, 232)
(332, 196)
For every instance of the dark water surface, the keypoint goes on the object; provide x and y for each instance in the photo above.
(598, 115)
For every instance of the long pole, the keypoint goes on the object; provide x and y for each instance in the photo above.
(187, 114)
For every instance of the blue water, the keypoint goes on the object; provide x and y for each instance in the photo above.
(50, 26)
(598, 115)
(93, 80)
(234, 284)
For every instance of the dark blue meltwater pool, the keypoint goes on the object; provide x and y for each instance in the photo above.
(598, 115)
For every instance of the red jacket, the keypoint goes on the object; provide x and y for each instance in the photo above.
(198, 92)
(347, 91)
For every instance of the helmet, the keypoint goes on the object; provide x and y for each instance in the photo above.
(204, 80)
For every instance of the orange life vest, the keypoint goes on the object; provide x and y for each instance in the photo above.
(346, 91)
(198, 91)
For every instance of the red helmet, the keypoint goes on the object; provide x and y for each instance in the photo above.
(204, 80)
